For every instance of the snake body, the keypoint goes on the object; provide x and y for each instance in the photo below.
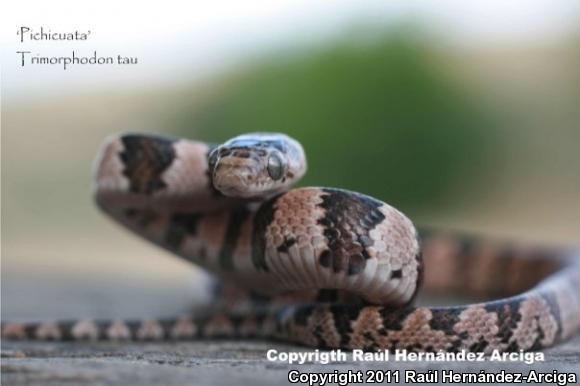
(322, 267)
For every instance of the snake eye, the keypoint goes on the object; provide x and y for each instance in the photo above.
(275, 166)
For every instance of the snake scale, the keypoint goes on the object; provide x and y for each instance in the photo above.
(322, 267)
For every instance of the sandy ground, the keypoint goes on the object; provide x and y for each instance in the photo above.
(209, 363)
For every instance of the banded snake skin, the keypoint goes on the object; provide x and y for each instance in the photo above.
(322, 267)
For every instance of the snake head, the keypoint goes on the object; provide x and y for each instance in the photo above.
(256, 165)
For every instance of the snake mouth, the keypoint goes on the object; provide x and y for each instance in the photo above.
(236, 177)
(230, 185)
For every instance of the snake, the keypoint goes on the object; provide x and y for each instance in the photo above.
(321, 267)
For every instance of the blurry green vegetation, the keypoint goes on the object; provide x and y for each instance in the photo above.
(382, 116)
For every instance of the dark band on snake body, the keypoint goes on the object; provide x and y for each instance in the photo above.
(344, 217)
(142, 218)
(145, 159)
(262, 219)
(180, 226)
(233, 230)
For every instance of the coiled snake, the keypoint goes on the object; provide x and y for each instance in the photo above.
(321, 267)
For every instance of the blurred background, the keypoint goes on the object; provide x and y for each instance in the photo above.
(464, 115)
